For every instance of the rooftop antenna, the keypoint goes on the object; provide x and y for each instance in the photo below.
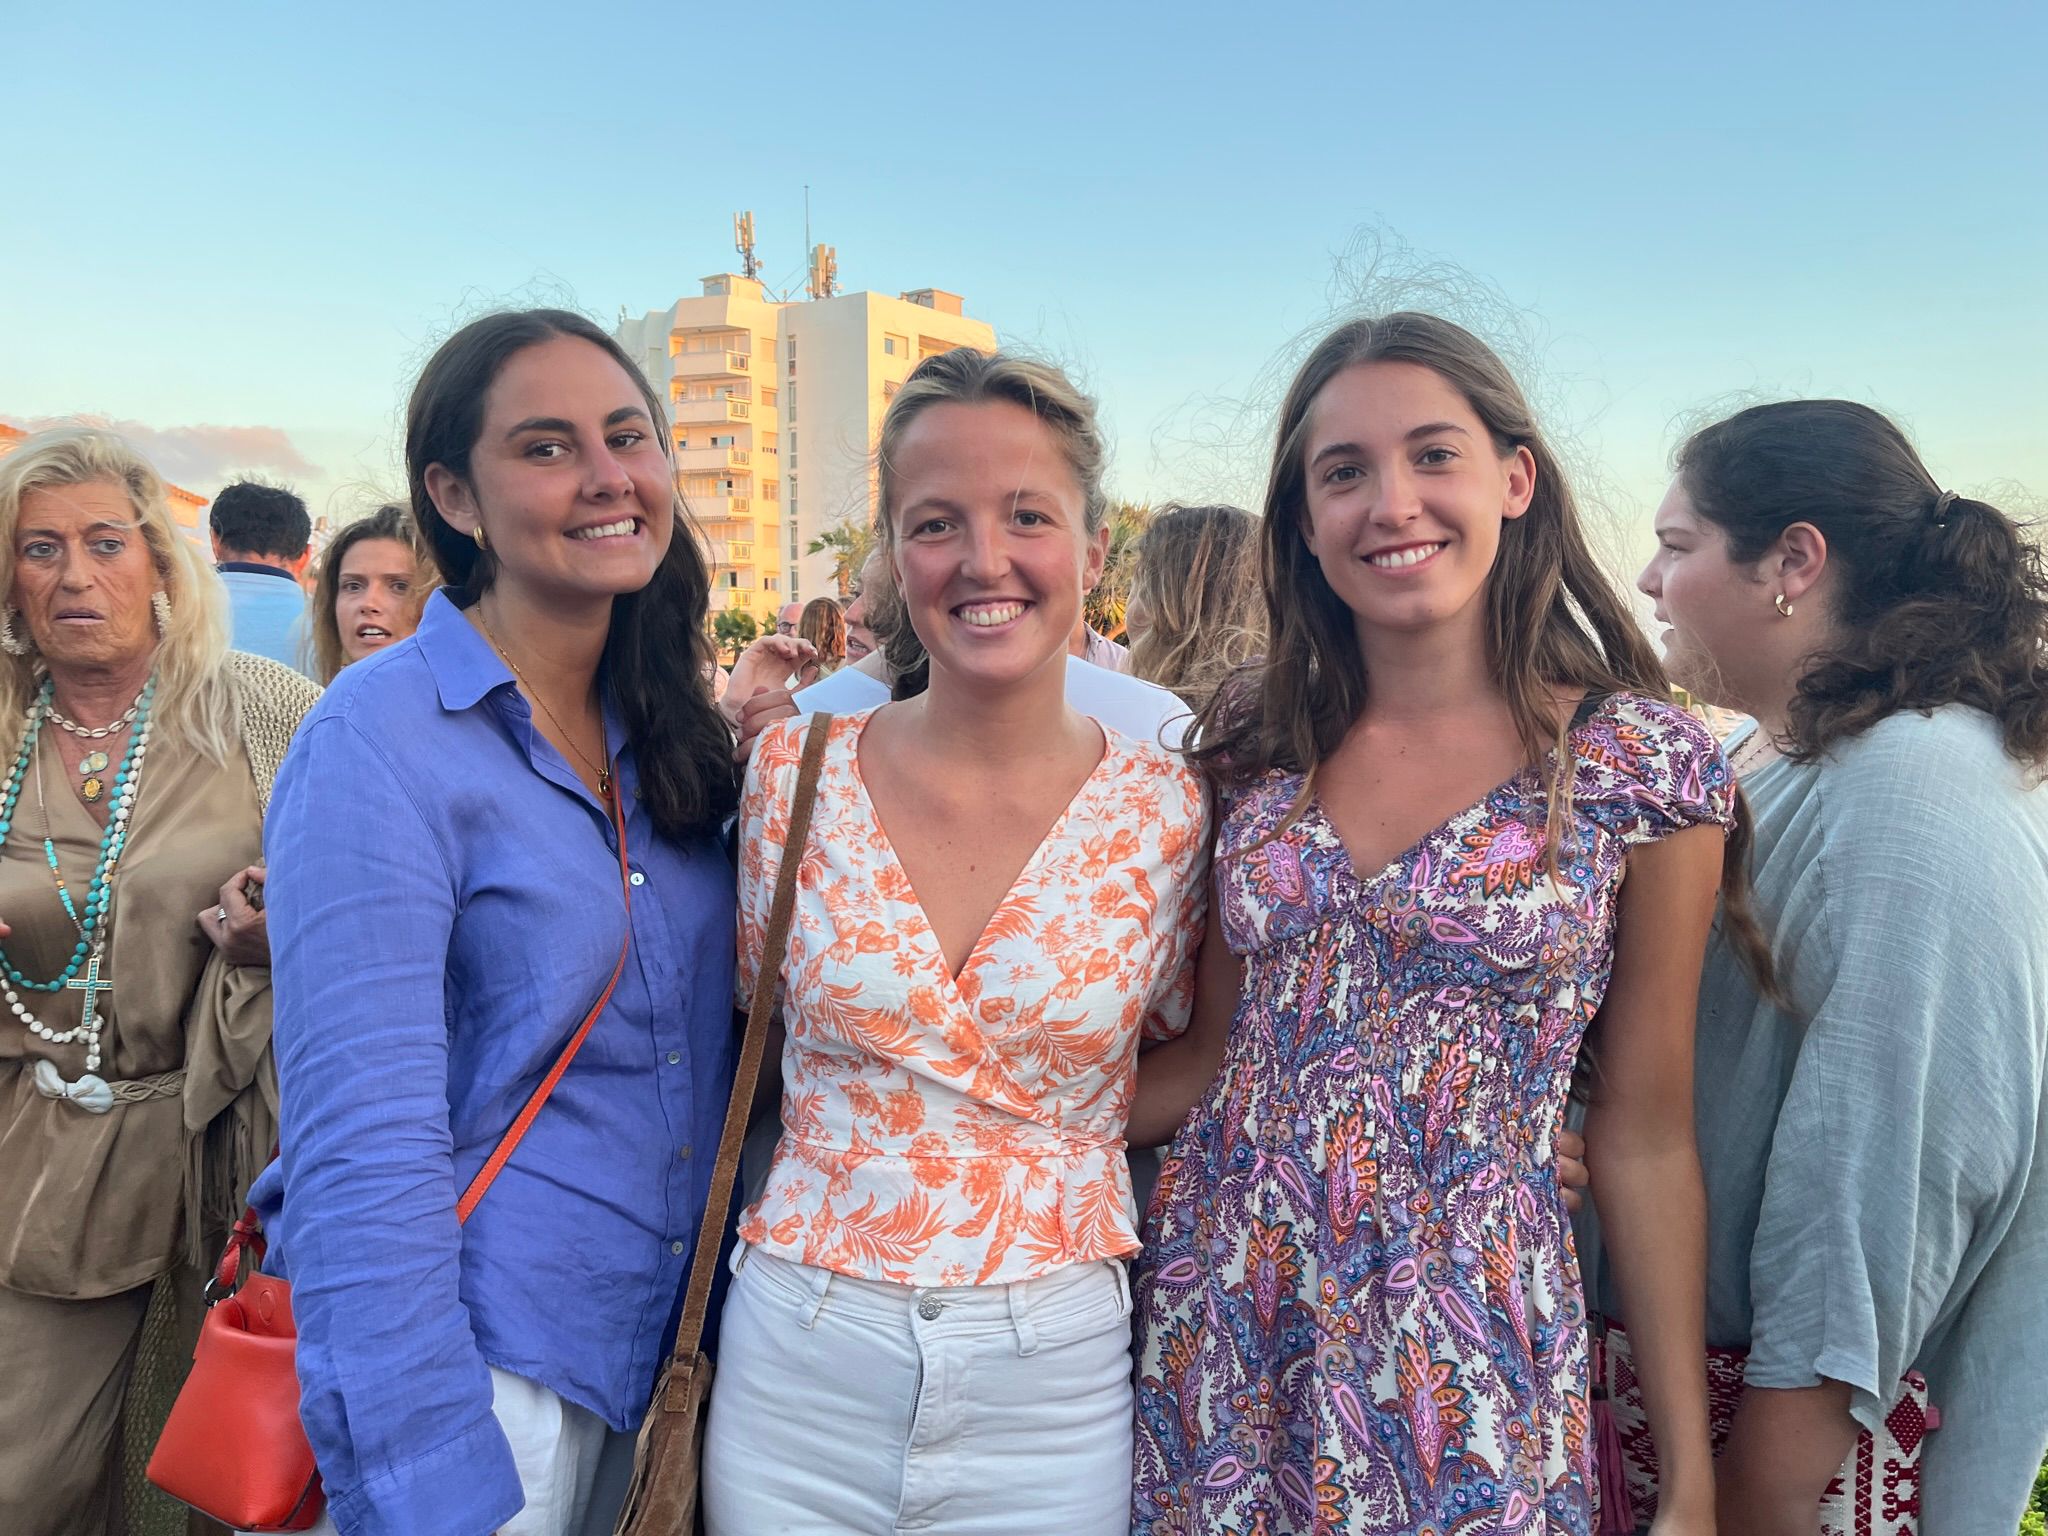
(743, 242)
(824, 281)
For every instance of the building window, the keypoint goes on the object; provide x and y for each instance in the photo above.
(768, 583)
(889, 388)
(732, 578)
(896, 346)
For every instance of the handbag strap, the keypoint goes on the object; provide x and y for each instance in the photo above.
(739, 1108)
(248, 1232)
(523, 1121)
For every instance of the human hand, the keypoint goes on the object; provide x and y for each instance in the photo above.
(767, 706)
(770, 662)
(238, 926)
(1572, 1175)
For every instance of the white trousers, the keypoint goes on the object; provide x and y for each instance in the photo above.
(857, 1408)
(574, 1467)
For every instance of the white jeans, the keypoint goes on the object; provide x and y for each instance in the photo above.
(573, 1466)
(852, 1406)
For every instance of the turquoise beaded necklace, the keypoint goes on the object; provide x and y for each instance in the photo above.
(92, 923)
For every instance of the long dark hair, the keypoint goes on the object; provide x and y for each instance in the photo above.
(1939, 599)
(1554, 620)
(656, 654)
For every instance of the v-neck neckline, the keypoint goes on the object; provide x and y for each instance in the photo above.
(1024, 872)
(1584, 714)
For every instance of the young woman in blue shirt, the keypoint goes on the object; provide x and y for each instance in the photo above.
(447, 901)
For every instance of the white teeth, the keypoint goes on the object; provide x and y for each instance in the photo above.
(606, 530)
(1400, 557)
(372, 632)
(988, 618)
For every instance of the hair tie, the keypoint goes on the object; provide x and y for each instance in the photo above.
(1942, 503)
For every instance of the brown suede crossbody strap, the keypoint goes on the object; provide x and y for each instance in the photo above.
(739, 1108)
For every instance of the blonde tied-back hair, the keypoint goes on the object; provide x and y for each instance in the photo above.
(964, 376)
(1197, 575)
(195, 697)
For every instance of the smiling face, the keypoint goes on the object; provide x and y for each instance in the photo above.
(1714, 609)
(1406, 495)
(567, 477)
(374, 596)
(83, 576)
(991, 548)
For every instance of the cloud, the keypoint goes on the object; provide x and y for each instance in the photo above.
(199, 458)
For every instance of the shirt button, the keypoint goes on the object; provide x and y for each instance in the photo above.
(929, 1307)
(638, 878)
(683, 1150)
(675, 1058)
(675, 1247)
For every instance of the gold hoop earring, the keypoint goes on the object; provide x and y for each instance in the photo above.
(1783, 607)
(477, 533)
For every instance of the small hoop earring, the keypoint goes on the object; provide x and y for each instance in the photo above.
(1781, 605)
(160, 605)
(10, 642)
(477, 533)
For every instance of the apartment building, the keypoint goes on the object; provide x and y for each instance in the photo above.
(776, 404)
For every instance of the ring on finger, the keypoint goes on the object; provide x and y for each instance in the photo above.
(220, 915)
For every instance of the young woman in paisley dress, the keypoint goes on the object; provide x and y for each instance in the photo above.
(1461, 832)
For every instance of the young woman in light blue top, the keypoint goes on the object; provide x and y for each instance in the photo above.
(1876, 1147)
(447, 899)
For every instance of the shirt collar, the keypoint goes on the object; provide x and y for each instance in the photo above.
(257, 568)
(467, 668)
(465, 665)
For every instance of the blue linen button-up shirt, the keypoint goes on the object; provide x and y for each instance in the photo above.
(445, 905)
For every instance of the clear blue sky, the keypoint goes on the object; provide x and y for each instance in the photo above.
(264, 216)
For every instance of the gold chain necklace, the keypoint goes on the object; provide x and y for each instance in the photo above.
(603, 771)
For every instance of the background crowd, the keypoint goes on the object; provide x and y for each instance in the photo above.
(1373, 857)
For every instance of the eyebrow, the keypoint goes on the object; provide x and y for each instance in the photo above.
(558, 424)
(54, 533)
(1427, 429)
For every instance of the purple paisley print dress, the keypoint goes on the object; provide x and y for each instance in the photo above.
(1359, 1308)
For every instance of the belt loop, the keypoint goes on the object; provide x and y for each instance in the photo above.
(1020, 1318)
(817, 1281)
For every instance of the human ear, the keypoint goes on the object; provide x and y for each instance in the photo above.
(1796, 561)
(1095, 558)
(1521, 490)
(453, 499)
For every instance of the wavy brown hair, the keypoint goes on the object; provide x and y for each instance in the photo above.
(824, 625)
(391, 522)
(1555, 622)
(657, 655)
(1197, 577)
(1940, 600)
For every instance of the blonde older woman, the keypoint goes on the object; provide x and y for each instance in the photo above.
(139, 755)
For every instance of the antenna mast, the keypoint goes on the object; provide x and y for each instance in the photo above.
(743, 242)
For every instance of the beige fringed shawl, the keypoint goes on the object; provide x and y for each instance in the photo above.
(230, 1098)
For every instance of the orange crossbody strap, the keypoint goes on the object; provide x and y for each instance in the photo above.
(739, 1108)
(509, 1142)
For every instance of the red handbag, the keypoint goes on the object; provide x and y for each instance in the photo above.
(233, 1447)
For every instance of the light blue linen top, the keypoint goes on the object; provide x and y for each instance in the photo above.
(445, 905)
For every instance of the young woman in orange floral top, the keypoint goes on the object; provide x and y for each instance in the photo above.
(930, 1323)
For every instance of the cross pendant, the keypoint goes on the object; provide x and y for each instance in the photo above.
(91, 985)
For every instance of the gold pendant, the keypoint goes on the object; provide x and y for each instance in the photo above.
(93, 788)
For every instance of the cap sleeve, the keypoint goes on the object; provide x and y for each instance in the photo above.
(1647, 769)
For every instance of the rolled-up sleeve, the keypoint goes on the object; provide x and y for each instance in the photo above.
(396, 1398)
(1903, 1142)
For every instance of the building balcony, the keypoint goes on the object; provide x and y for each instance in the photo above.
(721, 509)
(728, 554)
(705, 413)
(711, 460)
(710, 365)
